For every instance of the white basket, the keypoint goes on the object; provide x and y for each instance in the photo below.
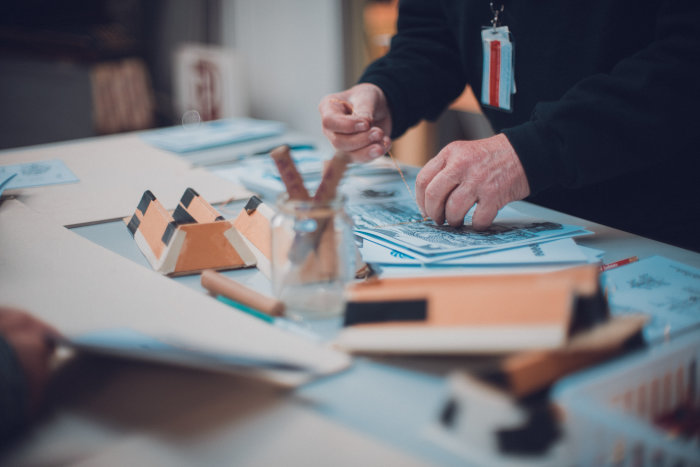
(609, 410)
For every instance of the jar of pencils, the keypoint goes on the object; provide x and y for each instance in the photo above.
(313, 256)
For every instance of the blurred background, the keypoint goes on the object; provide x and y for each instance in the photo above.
(80, 68)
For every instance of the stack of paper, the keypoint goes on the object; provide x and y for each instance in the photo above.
(205, 135)
(394, 232)
(260, 175)
(397, 225)
(95, 180)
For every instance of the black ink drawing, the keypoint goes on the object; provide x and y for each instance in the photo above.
(34, 169)
(428, 238)
(376, 194)
(646, 282)
(367, 216)
(537, 250)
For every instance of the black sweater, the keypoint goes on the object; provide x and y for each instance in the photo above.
(605, 118)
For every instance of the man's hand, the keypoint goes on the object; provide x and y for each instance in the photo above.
(357, 121)
(33, 342)
(486, 172)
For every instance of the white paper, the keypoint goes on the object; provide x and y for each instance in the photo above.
(555, 252)
(668, 291)
(396, 224)
(592, 254)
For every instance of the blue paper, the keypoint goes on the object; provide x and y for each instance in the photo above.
(666, 290)
(39, 173)
(181, 139)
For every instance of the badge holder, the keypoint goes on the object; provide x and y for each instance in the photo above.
(498, 82)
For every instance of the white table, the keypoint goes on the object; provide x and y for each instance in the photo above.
(104, 411)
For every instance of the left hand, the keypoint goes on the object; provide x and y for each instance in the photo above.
(33, 343)
(485, 172)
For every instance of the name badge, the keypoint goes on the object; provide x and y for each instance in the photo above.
(498, 82)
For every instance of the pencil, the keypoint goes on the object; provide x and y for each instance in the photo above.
(617, 264)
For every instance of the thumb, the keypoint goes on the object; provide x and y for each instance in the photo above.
(365, 104)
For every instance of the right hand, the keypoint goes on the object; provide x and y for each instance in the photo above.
(33, 343)
(357, 121)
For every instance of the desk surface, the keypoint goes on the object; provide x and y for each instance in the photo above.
(107, 411)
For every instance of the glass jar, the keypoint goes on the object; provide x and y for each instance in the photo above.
(313, 256)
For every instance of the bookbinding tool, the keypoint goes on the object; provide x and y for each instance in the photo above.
(193, 238)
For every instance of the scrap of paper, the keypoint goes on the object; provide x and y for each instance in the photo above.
(39, 173)
(181, 139)
(666, 290)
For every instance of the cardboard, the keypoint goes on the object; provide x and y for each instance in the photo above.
(193, 239)
(253, 222)
(114, 171)
(81, 288)
(472, 314)
(527, 372)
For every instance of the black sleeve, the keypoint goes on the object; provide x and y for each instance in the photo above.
(642, 113)
(13, 393)
(422, 73)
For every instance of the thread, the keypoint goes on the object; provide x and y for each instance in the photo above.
(393, 159)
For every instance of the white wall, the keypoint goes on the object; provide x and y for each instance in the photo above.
(293, 53)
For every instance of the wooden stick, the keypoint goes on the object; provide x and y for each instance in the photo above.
(332, 175)
(289, 173)
(218, 284)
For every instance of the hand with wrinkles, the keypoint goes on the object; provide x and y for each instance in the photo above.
(485, 172)
(357, 121)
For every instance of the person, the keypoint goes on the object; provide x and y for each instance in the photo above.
(26, 346)
(602, 123)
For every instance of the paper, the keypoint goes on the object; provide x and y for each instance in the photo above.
(667, 290)
(128, 342)
(593, 255)
(205, 135)
(555, 252)
(385, 212)
(114, 172)
(5, 182)
(260, 175)
(396, 224)
(81, 288)
(38, 173)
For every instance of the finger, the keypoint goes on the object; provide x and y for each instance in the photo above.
(337, 116)
(436, 194)
(369, 153)
(458, 204)
(484, 214)
(357, 141)
(364, 104)
(345, 124)
(424, 177)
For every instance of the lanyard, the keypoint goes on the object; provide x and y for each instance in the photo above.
(496, 11)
